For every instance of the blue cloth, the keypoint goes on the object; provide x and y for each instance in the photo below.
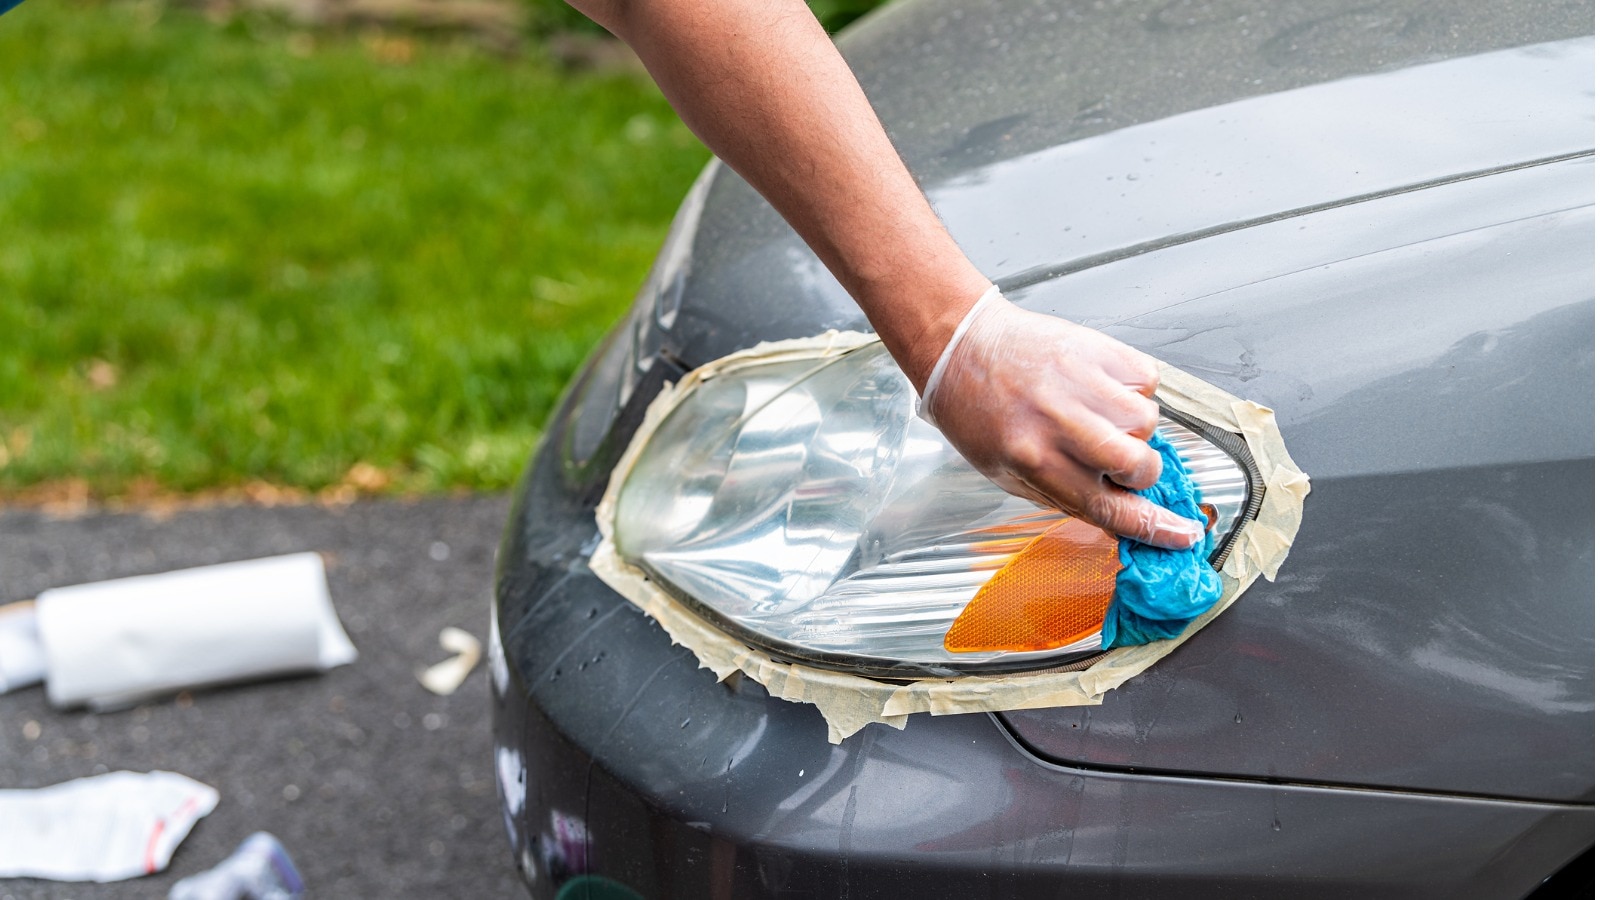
(7, 5)
(1159, 592)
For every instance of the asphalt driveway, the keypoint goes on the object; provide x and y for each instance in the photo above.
(376, 787)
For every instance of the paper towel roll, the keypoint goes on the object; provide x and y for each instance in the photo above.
(114, 643)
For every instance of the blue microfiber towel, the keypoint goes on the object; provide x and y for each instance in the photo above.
(1159, 592)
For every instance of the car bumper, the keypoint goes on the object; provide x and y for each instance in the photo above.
(625, 767)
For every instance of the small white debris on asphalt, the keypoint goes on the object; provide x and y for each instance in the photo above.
(443, 678)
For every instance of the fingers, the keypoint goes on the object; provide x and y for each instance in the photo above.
(1131, 413)
(1078, 491)
(1141, 467)
(1142, 375)
(1130, 368)
(1130, 515)
(1104, 448)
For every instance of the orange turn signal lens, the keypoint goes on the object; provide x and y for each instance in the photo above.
(1052, 594)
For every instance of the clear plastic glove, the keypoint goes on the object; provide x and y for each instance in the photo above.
(1055, 413)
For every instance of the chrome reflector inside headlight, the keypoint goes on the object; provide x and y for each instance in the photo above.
(801, 505)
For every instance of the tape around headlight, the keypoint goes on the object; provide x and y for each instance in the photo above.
(783, 513)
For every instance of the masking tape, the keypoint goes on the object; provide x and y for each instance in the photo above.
(851, 702)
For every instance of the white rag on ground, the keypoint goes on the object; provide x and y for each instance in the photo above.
(103, 828)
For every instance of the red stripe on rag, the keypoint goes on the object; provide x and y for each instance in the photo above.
(155, 833)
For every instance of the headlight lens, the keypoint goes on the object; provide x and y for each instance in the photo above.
(802, 506)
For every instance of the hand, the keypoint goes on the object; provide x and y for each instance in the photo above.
(1058, 414)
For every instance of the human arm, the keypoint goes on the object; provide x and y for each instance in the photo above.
(1051, 411)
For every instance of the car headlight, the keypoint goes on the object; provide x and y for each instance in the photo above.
(801, 505)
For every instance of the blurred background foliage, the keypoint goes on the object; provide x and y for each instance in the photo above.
(312, 250)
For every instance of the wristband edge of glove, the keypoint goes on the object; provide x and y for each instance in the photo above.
(937, 375)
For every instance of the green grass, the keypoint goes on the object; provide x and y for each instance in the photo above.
(243, 253)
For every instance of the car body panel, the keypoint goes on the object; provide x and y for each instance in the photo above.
(682, 786)
(1385, 332)
(962, 84)
(744, 254)
(1275, 156)
(1416, 688)
(1435, 618)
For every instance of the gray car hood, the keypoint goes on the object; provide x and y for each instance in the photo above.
(1390, 245)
